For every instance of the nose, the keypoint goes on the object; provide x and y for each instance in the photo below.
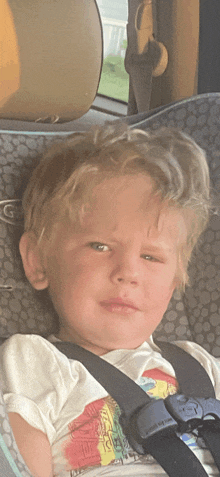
(126, 271)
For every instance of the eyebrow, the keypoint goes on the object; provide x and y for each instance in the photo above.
(150, 248)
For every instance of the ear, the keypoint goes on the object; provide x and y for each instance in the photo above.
(33, 262)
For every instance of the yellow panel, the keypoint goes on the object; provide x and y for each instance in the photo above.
(185, 52)
(9, 54)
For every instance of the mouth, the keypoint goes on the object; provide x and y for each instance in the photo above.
(118, 305)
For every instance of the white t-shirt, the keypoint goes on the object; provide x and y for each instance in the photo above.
(59, 397)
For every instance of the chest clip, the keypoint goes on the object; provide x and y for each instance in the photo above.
(163, 417)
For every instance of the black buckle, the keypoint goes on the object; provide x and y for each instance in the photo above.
(163, 417)
(191, 413)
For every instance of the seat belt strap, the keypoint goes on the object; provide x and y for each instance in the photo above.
(108, 375)
(193, 380)
(138, 63)
(163, 445)
(211, 436)
(145, 56)
(175, 457)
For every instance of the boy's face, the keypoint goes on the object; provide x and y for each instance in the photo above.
(111, 279)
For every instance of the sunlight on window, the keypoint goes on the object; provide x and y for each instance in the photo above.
(114, 79)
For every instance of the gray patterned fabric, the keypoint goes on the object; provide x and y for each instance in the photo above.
(194, 316)
(21, 309)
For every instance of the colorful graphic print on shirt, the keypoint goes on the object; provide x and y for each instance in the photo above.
(96, 437)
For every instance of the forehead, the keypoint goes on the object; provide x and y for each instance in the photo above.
(128, 201)
(125, 195)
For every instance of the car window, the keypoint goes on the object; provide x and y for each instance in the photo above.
(114, 79)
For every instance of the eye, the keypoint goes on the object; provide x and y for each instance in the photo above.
(150, 258)
(99, 247)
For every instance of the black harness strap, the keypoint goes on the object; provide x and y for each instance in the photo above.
(158, 437)
(211, 436)
(193, 380)
(175, 457)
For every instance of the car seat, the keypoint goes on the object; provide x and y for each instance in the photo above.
(195, 315)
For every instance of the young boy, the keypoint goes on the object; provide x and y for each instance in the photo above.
(111, 218)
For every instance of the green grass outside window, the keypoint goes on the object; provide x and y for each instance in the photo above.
(114, 79)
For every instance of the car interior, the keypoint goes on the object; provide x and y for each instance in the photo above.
(52, 60)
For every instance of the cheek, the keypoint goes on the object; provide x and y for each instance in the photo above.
(166, 282)
(71, 277)
(161, 294)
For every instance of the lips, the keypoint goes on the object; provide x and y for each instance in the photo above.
(119, 305)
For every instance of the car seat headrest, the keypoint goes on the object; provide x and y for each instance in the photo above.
(52, 59)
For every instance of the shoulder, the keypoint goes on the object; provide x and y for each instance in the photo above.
(33, 350)
(29, 359)
(34, 354)
(26, 346)
(196, 351)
